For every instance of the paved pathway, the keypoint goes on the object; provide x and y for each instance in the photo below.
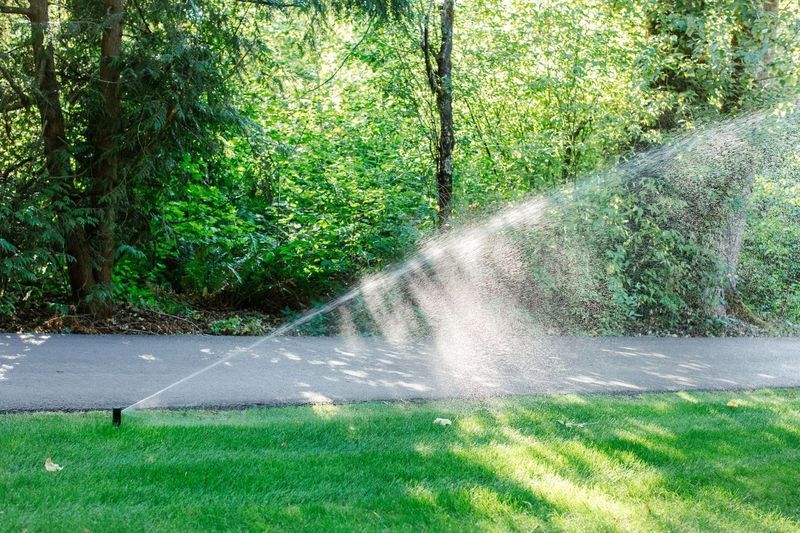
(39, 372)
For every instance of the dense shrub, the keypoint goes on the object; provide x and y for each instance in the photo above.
(769, 271)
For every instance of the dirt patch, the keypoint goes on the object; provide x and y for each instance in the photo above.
(138, 321)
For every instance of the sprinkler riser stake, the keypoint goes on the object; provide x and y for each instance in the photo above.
(116, 416)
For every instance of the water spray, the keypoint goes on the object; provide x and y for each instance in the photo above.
(466, 283)
(304, 319)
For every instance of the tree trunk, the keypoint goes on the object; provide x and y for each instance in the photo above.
(105, 167)
(444, 103)
(90, 247)
(48, 94)
(57, 159)
(441, 85)
(732, 235)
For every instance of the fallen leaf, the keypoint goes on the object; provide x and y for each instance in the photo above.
(733, 404)
(443, 421)
(568, 424)
(50, 466)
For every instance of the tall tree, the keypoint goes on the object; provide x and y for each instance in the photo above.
(93, 247)
(53, 130)
(89, 246)
(180, 61)
(440, 81)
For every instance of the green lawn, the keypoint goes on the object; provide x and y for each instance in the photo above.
(683, 461)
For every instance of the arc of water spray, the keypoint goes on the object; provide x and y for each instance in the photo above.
(524, 214)
(429, 252)
(432, 251)
(305, 318)
(386, 279)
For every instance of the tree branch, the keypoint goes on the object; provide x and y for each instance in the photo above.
(14, 167)
(23, 98)
(276, 3)
(12, 107)
(141, 16)
(344, 61)
(426, 50)
(14, 10)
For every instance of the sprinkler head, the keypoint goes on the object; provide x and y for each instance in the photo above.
(116, 416)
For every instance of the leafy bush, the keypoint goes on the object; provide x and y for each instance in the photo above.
(237, 326)
(657, 224)
(769, 271)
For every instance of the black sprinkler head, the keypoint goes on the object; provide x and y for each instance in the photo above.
(116, 416)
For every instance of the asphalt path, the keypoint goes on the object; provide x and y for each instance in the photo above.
(59, 372)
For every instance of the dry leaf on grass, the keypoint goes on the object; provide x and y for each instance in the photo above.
(50, 466)
(733, 404)
(569, 424)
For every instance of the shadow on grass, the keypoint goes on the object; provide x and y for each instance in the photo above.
(668, 461)
(663, 462)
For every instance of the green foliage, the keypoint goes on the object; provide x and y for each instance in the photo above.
(237, 326)
(660, 276)
(29, 245)
(548, 100)
(708, 56)
(769, 271)
(658, 225)
(269, 157)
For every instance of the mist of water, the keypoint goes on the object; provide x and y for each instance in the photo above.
(481, 293)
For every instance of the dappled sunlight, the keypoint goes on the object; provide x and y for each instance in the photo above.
(651, 462)
(291, 369)
(471, 426)
(722, 510)
(572, 399)
(686, 396)
(31, 339)
(4, 369)
(546, 473)
(576, 499)
(527, 278)
(613, 383)
(325, 410)
(14, 349)
(422, 494)
(315, 397)
(626, 351)
(646, 446)
(651, 429)
(498, 510)
(581, 471)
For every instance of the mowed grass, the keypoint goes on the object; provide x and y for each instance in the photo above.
(682, 461)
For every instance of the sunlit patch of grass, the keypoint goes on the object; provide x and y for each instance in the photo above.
(684, 461)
